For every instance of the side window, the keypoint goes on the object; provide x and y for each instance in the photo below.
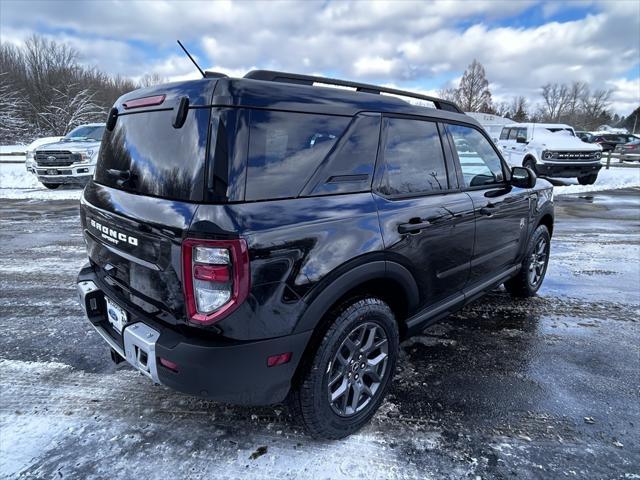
(522, 132)
(413, 158)
(513, 133)
(285, 149)
(480, 163)
(504, 134)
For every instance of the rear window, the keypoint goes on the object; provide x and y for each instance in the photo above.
(144, 154)
(285, 149)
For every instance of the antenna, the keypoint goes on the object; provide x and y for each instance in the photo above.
(191, 58)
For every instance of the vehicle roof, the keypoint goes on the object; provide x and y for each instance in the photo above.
(333, 100)
(541, 125)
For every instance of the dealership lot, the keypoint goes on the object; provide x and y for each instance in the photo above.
(543, 388)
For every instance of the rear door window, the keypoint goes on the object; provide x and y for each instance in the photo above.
(504, 134)
(285, 149)
(413, 158)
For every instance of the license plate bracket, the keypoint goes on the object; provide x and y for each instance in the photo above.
(116, 315)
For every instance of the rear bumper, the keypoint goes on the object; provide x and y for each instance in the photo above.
(567, 170)
(212, 367)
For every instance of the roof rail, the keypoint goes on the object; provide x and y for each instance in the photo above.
(210, 74)
(284, 77)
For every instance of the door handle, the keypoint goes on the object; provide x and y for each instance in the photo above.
(412, 227)
(489, 210)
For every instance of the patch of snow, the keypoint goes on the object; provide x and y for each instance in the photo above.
(17, 183)
(612, 179)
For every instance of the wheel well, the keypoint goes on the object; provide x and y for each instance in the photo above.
(528, 157)
(388, 290)
(547, 221)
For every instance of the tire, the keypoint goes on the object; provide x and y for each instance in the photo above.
(354, 325)
(534, 267)
(588, 179)
(530, 163)
(51, 186)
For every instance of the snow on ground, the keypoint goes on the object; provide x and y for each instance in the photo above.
(612, 179)
(17, 183)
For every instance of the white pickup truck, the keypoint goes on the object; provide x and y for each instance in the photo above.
(551, 150)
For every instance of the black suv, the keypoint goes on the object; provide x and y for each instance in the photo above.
(273, 237)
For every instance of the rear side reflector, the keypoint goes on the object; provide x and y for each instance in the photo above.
(144, 102)
(169, 364)
(279, 359)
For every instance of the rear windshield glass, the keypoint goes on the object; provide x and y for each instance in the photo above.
(144, 154)
(285, 149)
(87, 132)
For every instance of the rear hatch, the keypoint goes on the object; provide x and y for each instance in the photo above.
(149, 178)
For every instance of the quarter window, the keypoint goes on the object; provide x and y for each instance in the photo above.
(413, 158)
(479, 162)
(285, 149)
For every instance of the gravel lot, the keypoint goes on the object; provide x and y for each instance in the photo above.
(543, 388)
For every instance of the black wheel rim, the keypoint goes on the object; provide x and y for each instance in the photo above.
(358, 368)
(538, 262)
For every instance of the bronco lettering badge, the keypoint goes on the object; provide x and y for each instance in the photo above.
(112, 235)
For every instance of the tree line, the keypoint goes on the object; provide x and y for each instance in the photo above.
(45, 91)
(576, 104)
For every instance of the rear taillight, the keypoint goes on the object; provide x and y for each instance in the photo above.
(216, 277)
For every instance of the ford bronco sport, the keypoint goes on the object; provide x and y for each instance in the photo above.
(269, 238)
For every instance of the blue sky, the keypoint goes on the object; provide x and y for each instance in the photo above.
(417, 45)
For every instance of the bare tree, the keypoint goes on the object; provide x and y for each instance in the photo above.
(151, 79)
(13, 127)
(518, 110)
(70, 108)
(449, 93)
(55, 92)
(555, 97)
(595, 106)
(473, 92)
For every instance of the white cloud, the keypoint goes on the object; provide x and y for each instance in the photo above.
(409, 42)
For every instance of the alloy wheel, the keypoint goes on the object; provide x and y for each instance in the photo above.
(357, 369)
(538, 262)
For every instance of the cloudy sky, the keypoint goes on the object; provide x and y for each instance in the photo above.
(414, 45)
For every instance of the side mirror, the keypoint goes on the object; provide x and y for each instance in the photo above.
(523, 177)
(521, 139)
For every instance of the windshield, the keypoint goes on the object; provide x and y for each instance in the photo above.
(564, 131)
(85, 133)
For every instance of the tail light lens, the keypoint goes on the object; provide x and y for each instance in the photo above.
(216, 278)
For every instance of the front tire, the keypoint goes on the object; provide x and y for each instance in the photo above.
(51, 186)
(534, 267)
(346, 380)
(588, 179)
(530, 163)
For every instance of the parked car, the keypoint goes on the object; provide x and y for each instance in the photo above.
(264, 239)
(584, 136)
(30, 161)
(551, 150)
(72, 160)
(629, 151)
(609, 141)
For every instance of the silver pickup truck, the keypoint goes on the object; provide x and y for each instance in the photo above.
(72, 160)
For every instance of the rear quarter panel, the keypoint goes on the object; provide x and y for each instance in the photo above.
(293, 245)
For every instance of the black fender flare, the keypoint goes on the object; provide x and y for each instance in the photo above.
(375, 270)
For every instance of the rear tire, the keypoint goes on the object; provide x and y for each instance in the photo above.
(588, 179)
(346, 380)
(51, 186)
(534, 267)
